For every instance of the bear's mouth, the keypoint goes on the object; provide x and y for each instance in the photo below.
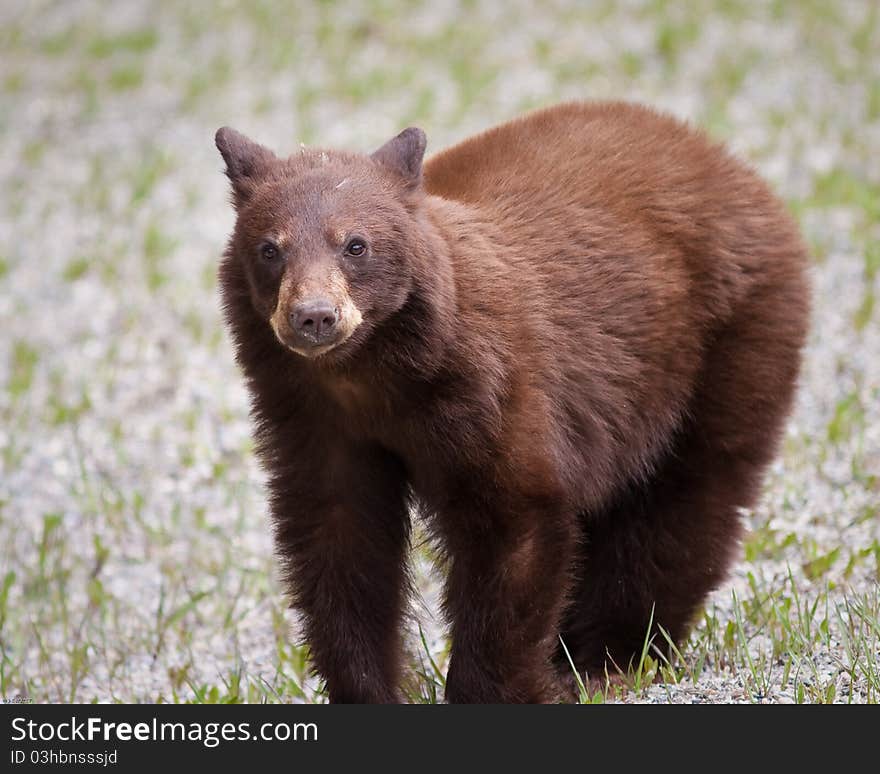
(314, 351)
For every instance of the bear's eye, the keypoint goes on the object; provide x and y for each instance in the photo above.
(356, 247)
(269, 251)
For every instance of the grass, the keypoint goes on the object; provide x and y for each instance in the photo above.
(135, 556)
(778, 646)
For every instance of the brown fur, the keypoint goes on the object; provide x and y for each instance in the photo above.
(580, 338)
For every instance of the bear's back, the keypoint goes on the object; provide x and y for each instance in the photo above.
(622, 179)
(591, 146)
(635, 167)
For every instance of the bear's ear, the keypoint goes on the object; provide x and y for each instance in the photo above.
(247, 162)
(404, 154)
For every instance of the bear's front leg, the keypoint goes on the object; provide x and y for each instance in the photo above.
(342, 530)
(508, 581)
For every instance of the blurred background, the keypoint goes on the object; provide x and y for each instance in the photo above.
(135, 554)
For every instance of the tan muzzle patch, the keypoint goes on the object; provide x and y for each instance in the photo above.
(331, 286)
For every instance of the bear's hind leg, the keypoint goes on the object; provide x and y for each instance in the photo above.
(658, 551)
(665, 544)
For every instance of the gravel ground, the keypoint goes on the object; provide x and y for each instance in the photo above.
(135, 557)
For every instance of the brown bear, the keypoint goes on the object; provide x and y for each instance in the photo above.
(569, 343)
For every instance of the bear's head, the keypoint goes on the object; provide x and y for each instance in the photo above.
(325, 239)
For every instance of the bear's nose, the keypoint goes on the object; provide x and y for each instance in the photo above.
(315, 319)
